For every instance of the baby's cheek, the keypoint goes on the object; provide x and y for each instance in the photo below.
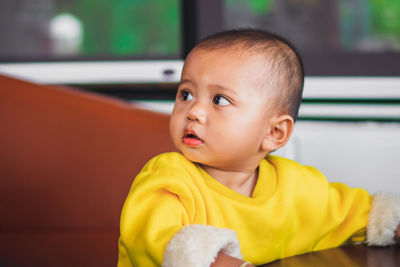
(173, 130)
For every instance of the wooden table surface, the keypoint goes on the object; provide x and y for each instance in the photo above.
(356, 255)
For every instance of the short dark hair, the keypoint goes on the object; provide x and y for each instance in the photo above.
(287, 63)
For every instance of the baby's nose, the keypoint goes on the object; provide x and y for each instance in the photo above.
(197, 113)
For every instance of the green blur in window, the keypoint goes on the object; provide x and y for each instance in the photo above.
(85, 29)
(143, 28)
(320, 26)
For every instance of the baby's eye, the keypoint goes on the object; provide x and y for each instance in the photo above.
(221, 100)
(186, 95)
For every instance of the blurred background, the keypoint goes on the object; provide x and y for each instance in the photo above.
(349, 125)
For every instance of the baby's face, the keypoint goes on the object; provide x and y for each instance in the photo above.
(221, 117)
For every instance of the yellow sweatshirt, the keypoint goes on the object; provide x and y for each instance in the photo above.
(293, 210)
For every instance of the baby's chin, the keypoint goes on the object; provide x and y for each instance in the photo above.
(193, 157)
(201, 161)
(189, 156)
(208, 160)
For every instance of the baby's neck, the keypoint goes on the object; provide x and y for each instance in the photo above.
(242, 182)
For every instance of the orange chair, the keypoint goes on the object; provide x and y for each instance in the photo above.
(67, 161)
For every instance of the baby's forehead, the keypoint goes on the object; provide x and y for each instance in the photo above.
(262, 65)
(229, 58)
(234, 54)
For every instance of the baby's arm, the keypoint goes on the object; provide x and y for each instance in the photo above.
(150, 226)
(226, 260)
(158, 222)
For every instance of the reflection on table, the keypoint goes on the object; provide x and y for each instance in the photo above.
(353, 256)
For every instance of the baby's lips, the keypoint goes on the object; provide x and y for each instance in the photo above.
(191, 134)
(190, 138)
(191, 141)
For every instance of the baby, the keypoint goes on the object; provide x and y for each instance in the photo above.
(223, 200)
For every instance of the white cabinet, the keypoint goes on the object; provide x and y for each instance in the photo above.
(364, 154)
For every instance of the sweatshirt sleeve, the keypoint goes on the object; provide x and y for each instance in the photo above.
(148, 221)
(157, 221)
(365, 218)
(346, 219)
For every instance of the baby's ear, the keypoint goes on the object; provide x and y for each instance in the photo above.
(279, 133)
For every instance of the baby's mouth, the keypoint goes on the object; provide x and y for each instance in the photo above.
(192, 136)
(191, 139)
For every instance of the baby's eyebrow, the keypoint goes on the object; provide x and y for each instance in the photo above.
(184, 81)
(223, 88)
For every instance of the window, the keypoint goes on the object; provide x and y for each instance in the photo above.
(135, 48)
(91, 42)
(334, 37)
(83, 29)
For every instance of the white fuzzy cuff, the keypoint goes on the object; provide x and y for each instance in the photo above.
(383, 219)
(198, 245)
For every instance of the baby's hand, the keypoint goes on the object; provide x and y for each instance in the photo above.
(225, 260)
(397, 234)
